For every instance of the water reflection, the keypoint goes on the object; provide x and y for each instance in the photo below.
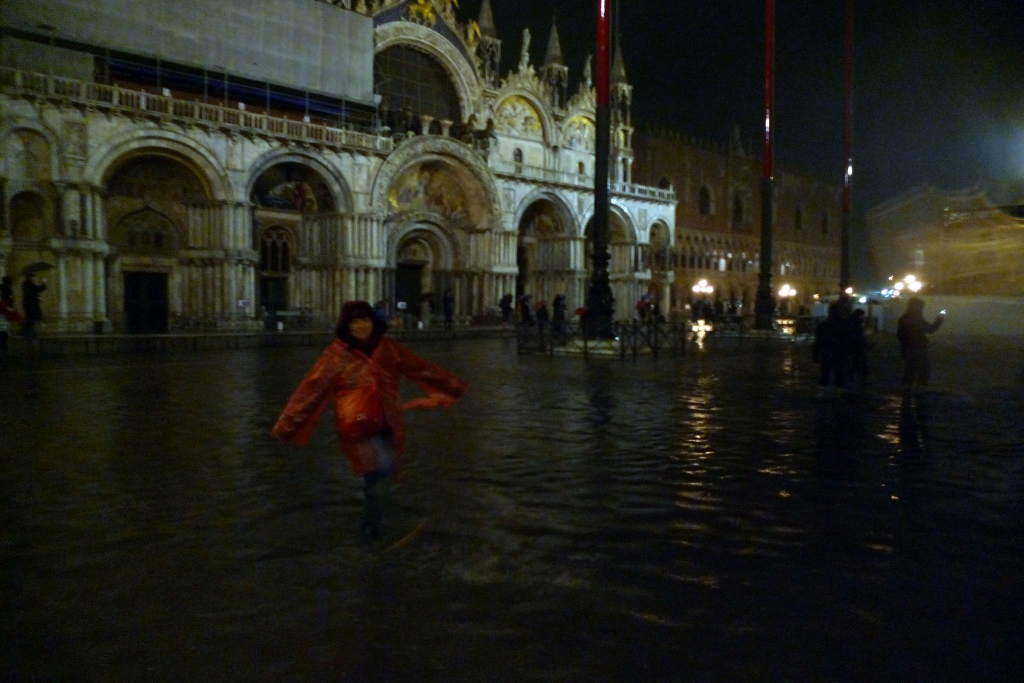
(687, 518)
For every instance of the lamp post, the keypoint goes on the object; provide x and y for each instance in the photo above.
(599, 298)
(844, 264)
(764, 305)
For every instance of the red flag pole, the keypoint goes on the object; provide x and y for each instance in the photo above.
(600, 303)
(764, 306)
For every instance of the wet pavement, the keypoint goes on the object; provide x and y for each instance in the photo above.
(704, 518)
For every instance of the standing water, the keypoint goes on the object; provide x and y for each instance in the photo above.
(710, 517)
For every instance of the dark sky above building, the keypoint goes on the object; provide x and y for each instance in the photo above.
(939, 84)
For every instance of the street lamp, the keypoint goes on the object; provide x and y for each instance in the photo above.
(703, 287)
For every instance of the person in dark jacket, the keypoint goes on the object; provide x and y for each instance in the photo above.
(558, 317)
(831, 346)
(506, 309)
(912, 330)
(858, 345)
(30, 292)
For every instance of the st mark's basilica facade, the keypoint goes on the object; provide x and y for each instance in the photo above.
(171, 195)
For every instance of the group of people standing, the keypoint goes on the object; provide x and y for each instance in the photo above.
(840, 345)
(31, 307)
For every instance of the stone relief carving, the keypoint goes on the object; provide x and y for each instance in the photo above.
(76, 139)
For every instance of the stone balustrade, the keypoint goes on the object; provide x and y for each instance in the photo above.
(101, 96)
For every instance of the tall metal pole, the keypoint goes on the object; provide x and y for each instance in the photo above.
(764, 307)
(844, 267)
(600, 303)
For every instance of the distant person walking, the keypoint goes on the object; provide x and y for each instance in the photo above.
(912, 330)
(558, 317)
(30, 292)
(359, 374)
(506, 309)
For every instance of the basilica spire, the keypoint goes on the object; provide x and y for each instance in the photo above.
(486, 20)
(488, 46)
(554, 53)
(618, 65)
(555, 74)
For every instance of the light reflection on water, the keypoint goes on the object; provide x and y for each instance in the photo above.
(703, 518)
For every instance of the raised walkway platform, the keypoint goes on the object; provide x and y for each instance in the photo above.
(99, 344)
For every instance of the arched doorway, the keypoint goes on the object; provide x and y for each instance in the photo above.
(439, 213)
(148, 199)
(544, 253)
(422, 270)
(623, 265)
(291, 202)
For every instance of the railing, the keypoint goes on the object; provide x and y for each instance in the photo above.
(631, 338)
(644, 191)
(550, 175)
(542, 173)
(29, 84)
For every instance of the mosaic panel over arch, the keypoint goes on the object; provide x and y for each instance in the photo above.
(432, 187)
(580, 133)
(293, 186)
(542, 219)
(517, 115)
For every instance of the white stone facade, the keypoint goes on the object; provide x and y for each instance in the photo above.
(120, 189)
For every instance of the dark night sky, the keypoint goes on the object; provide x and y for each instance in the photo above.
(938, 84)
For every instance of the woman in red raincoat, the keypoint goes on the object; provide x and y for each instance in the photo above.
(361, 371)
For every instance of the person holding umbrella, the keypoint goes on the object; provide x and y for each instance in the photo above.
(30, 292)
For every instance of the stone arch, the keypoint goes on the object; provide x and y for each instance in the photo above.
(482, 190)
(425, 39)
(547, 124)
(203, 162)
(341, 193)
(29, 213)
(433, 233)
(52, 158)
(147, 182)
(616, 213)
(28, 156)
(558, 201)
(422, 259)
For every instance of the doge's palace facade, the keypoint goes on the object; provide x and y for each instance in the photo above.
(179, 195)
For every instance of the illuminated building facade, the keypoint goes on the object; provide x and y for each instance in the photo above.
(718, 224)
(188, 165)
(956, 243)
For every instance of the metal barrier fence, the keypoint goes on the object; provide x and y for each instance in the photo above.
(634, 338)
(631, 338)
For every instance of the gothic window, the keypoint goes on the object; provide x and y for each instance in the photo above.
(413, 81)
(798, 219)
(581, 168)
(824, 223)
(664, 183)
(704, 201)
(517, 157)
(737, 211)
(275, 252)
